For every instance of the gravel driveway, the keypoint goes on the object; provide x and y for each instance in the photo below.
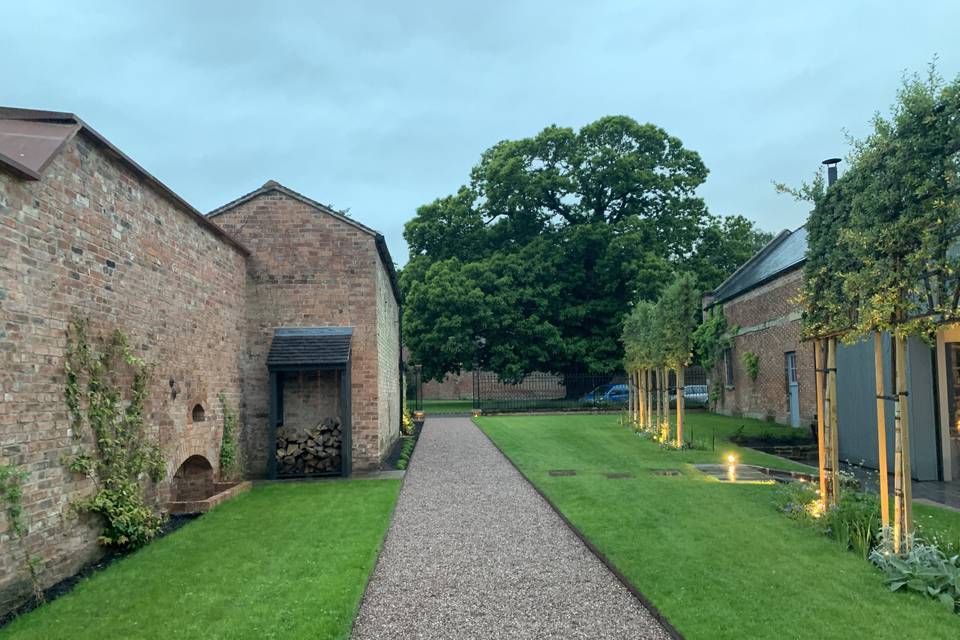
(475, 552)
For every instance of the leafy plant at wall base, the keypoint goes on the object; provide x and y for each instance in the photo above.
(229, 456)
(751, 364)
(100, 402)
(924, 569)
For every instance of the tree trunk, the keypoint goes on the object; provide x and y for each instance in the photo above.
(680, 406)
(666, 405)
(651, 408)
(834, 423)
(881, 429)
(902, 491)
(820, 369)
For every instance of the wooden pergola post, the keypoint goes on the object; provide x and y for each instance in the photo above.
(881, 429)
(648, 399)
(666, 405)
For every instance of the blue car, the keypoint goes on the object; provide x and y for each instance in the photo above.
(607, 394)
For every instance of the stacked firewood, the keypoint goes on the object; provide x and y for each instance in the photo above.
(316, 450)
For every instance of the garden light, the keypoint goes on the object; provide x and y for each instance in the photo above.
(731, 459)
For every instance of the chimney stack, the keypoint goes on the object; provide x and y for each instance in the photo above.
(831, 170)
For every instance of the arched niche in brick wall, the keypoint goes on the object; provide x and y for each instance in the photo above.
(193, 481)
(197, 410)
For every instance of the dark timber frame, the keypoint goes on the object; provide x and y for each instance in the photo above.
(296, 350)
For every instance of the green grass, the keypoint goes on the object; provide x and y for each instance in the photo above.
(717, 560)
(283, 561)
(433, 407)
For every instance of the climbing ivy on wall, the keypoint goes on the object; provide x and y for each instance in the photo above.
(751, 364)
(11, 492)
(106, 389)
(229, 452)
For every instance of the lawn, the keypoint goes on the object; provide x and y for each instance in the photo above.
(717, 560)
(286, 560)
(433, 407)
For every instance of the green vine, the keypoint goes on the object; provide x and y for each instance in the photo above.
(98, 402)
(751, 364)
(229, 454)
(11, 493)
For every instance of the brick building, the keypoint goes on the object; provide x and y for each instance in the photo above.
(759, 301)
(85, 231)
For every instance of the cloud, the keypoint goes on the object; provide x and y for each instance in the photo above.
(381, 106)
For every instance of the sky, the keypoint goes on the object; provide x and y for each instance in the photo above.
(379, 107)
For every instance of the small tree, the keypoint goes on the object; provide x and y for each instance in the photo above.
(679, 308)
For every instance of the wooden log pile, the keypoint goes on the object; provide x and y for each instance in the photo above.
(316, 450)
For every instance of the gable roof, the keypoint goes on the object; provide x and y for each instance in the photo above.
(298, 347)
(785, 253)
(31, 138)
(272, 185)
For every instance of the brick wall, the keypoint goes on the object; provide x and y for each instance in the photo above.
(388, 360)
(307, 268)
(769, 326)
(93, 237)
(308, 398)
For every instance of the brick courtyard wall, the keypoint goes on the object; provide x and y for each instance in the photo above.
(92, 237)
(768, 318)
(307, 268)
(454, 386)
(388, 360)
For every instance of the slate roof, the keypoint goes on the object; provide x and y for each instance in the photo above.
(783, 254)
(310, 346)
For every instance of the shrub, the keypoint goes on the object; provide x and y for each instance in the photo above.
(924, 569)
(854, 522)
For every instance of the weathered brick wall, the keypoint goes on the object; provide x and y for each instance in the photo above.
(308, 398)
(307, 268)
(388, 359)
(454, 386)
(93, 238)
(769, 323)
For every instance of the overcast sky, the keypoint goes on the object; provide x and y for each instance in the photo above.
(382, 106)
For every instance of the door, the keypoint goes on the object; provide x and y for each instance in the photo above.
(793, 388)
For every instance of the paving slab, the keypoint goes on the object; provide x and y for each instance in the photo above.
(475, 552)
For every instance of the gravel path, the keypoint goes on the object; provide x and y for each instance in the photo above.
(475, 552)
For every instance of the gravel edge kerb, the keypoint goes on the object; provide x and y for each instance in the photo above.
(672, 631)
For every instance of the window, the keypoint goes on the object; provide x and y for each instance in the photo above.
(728, 366)
(198, 414)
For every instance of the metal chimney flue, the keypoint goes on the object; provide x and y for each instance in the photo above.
(831, 170)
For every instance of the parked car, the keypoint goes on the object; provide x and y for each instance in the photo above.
(607, 394)
(693, 395)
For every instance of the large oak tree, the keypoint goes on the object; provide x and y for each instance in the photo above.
(533, 264)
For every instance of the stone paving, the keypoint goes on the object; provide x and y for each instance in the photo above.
(475, 552)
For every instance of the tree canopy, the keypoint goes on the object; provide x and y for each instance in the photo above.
(883, 252)
(533, 264)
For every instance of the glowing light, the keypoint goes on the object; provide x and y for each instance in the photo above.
(732, 473)
(732, 459)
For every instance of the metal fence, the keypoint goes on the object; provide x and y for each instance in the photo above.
(573, 391)
(549, 392)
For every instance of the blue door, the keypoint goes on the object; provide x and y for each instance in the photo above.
(793, 388)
